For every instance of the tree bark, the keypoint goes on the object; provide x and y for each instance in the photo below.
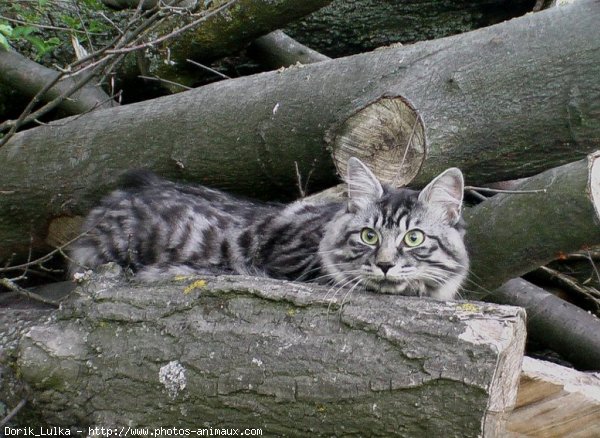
(554, 323)
(512, 234)
(348, 27)
(258, 353)
(276, 50)
(248, 135)
(224, 33)
(29, 77)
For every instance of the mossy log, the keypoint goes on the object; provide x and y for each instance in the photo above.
(224, 33)
(288, 358)
(251, 134)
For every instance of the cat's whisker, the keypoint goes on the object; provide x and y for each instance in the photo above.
(347, 294)
(356, 280)
(478, 287)
(335, 274)
(306, 275)
(341, 285)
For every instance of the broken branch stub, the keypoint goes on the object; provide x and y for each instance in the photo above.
(388, 135)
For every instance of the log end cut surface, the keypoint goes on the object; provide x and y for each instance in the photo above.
(387, 135)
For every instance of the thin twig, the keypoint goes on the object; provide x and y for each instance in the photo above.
(45, 257)
(299, 181)
(477, 195)
(21, 120)
(13, 412)
(212, 70)
(50, 105)
(175, 32)
(10, 285)
(514, 192)
(166, 81)
(589, 293)
(112, 23)
(27, 115)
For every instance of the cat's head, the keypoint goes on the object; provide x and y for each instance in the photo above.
(398, 241)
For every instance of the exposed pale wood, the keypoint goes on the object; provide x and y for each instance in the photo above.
(556, 402)
(388, 135)
(289, 358)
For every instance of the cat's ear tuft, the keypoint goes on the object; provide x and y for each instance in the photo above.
(445, 194)
(363, 186)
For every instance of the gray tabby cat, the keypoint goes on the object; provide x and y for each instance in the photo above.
(382, 239)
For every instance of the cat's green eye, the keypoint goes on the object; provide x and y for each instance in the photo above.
(414, 238)
(369, 236)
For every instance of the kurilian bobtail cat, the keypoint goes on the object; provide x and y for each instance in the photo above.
(382, 239)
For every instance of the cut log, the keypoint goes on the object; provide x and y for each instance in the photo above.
(225, 136)
(385, 127)
(555, 401)
(288, 358)
(512, 234)
(554, 323)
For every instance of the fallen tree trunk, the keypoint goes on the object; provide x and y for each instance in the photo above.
(348, 27)
(29, 77)
(222, 135)
(284, 357)
(514, 233)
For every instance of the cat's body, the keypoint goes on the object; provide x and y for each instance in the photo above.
(160, 228)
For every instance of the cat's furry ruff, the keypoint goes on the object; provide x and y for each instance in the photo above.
(159, 229)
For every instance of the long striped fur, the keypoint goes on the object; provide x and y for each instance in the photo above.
(159, 228)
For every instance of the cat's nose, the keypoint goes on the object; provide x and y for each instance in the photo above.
(385, 266)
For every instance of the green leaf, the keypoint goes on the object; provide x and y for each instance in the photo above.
(37, 43)
(70, 22)
(4, 42)
(22, 31)
(6, 30)
(54, 41)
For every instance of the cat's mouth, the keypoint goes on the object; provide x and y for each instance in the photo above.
(395, 286)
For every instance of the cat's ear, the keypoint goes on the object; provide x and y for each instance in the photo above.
(363, 186)
(445, 194)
